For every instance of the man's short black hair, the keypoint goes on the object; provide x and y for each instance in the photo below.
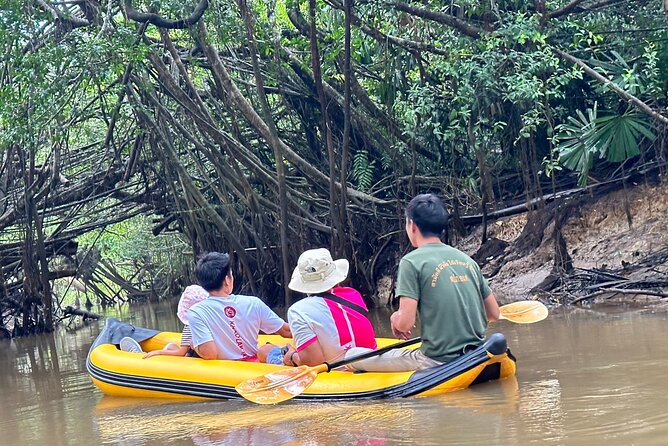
(211, 270)
(429, 214)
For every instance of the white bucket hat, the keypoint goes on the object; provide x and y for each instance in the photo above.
(316, 272)
(191, 295)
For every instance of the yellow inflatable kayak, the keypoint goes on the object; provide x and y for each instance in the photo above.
(120, 373)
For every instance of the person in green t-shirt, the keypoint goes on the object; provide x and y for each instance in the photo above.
(441, 284)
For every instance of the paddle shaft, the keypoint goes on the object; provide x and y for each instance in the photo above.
(380, 351)
(326, 367)
(372, 353)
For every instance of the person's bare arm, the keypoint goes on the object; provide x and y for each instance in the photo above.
(181, 351)
(491, 308)
(311, 355)
(403, 320)
(208, 350)
(284, 331)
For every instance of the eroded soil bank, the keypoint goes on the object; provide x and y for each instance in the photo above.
(576, 250)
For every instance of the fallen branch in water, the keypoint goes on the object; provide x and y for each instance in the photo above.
(615, 291)
(584, 284)
(598, 286)
(71, 311)
(599, 272)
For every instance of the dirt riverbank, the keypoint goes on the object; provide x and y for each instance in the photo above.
(623, 234)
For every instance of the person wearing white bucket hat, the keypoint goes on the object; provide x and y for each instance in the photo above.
(332, 318)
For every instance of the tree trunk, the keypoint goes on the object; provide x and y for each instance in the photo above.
(278, 153)
(486, 191)
(325, 130)
(345, 149)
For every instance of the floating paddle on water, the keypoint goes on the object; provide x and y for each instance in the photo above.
(285, 384)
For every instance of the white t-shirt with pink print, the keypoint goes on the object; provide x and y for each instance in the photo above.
(233, 323)
(336, 327)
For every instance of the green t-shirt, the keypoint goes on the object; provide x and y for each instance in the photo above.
(450, 290)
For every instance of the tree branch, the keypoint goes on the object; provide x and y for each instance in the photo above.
(227, 84)
(445, 19)
(565, 10)
(575, 7)
(628, 97)
(58, 16)
(157, 20)
(381, 37)
(615, 291)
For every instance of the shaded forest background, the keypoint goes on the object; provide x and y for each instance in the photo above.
(135, 135)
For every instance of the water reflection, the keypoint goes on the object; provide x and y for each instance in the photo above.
(499, 398)
(584, 377)
(541, 402)
(125, 421)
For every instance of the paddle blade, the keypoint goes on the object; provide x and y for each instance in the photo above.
(524, 312)
(278, 386)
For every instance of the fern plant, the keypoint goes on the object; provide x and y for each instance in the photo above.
(362, 171)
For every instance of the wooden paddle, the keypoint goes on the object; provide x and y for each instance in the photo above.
(524, 312)
(284, 384)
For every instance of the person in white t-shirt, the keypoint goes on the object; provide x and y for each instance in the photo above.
(332, 318)
(226, 325)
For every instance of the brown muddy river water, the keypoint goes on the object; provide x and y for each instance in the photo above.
(584, 377)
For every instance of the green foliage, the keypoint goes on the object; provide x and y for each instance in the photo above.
(130, 246)
(550, 167)
(615, 138)
(661, 64)
(438, 89)
(575, 148)
(362, 171)
(629, 77)
(619, 135)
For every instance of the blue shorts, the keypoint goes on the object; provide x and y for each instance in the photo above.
(275, 356)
